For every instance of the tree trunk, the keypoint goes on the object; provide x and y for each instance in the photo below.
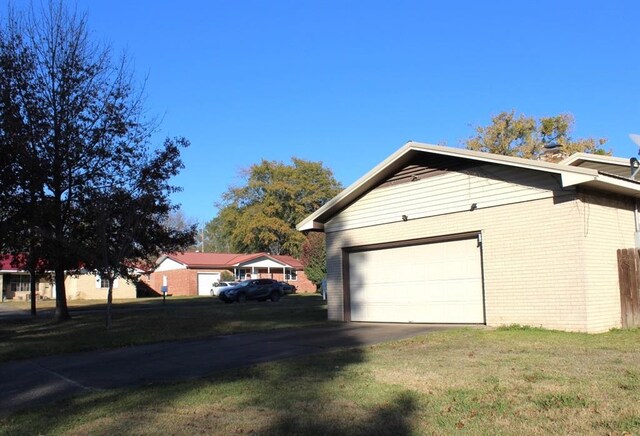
(33, 281)
(109, 300)
(62, 311)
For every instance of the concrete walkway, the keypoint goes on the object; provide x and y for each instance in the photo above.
(32, 382)
(8, 312)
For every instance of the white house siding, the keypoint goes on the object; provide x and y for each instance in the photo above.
(169, 265)
(608, 225)
(262, 263)
(450, 192)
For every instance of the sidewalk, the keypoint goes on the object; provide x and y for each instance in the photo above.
(8, 311)
(33, 382)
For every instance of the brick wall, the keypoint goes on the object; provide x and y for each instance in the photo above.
(303, 284)
(536, 267)
(185, 281)
(179, 281)
(608, 225)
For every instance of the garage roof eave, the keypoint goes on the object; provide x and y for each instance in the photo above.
(310, 226)
(615, 185)
(577, 158)
(571, 175)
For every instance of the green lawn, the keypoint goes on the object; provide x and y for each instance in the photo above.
(467, 381)
(149, 320)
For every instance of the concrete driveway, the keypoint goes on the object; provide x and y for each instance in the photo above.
(32, 382)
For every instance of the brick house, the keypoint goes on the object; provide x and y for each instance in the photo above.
(195, 273)
(444, 235)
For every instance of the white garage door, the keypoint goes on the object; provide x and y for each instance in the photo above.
(206, 281)
(432, 283)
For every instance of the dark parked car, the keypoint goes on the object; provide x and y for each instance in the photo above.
(254, 289)
(287, 288)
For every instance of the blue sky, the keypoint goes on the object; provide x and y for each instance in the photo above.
(349, 82)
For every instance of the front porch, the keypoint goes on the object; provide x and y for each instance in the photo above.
(15, 286)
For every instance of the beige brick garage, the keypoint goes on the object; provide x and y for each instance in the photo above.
(547, 234)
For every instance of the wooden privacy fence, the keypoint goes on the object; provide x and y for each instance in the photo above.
(629, 278)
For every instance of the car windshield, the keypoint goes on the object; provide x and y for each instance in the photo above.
(244, 283)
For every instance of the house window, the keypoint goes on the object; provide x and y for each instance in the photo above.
(290, 274)
(19, 283)
(241, 273)
(104, 283)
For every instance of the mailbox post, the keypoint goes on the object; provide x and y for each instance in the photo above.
(163, 289)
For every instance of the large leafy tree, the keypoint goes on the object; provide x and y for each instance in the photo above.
(314, 257)
(127, 218)
(518, 135)
(261, 215)
(21, 180)
(73, 117)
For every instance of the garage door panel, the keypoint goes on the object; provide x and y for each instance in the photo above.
(206, 281)
(438, 282)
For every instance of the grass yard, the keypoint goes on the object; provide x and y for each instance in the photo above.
(148, 320)
(466, 381)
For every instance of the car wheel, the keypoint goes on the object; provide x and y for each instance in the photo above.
(241, 298)
(275, 296)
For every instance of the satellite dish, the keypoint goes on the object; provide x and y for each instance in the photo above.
(635, 138)
(554, 145)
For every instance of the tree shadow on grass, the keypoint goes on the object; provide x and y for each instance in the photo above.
(330, 393)
(326, 393)
(305, 391)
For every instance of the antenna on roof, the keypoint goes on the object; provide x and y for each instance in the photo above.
(633, 162)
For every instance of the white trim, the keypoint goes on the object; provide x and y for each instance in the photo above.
(570, 179)
(167, 263)
(254, 262)
(576, 158)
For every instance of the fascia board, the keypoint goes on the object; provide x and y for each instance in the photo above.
(310, 226)
(612, 184)
(588, 157)
(572, 179)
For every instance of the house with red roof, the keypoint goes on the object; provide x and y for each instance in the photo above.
(14, 284)
(195, 273)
